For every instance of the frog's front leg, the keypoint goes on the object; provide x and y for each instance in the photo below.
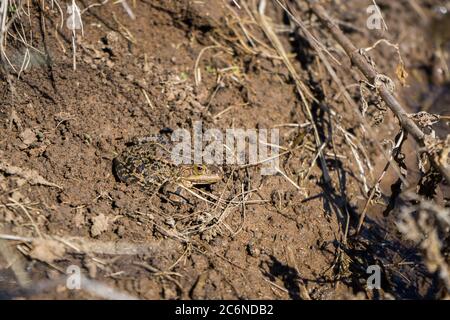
(175, 193)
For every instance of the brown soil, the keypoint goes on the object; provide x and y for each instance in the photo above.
(284, 243)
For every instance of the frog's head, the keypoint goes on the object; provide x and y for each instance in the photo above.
(201, 174)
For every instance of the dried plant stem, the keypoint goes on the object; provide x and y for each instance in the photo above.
(3, 18)
(303, 91)
(372, 75)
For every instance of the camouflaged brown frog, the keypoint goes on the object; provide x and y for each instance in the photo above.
(147, 161)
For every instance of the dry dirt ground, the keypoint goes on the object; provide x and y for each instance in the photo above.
(288, 236)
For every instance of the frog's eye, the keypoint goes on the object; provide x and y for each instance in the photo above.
(198, 169)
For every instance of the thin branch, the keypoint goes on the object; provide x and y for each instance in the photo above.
(376, 79)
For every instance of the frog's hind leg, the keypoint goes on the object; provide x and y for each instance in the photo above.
(173, 194)
(122, 173)
(154, 188)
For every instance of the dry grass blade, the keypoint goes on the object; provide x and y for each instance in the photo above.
(32, 176)
(302, 89)
(90, 246)
(14, 15)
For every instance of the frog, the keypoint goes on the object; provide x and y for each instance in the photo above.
(147, 161)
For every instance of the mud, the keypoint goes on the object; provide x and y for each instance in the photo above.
(279, 239)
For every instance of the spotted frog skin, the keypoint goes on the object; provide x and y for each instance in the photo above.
(147, 162)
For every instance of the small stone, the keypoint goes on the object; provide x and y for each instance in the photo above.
(87, 59)
(170, 221)
(253, 250)
(120, 231)
(196, 105)
(28, 136)
(112, 37)
(40, 136)
(79, 219)
(17, 196)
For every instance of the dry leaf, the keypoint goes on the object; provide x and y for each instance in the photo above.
(32, 176)
(14, 119)
(47, 250)
(402, 75)
(100, 224)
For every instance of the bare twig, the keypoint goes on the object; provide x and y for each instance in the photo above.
(359, 60)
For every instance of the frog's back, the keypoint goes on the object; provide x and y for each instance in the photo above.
(147, 161)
